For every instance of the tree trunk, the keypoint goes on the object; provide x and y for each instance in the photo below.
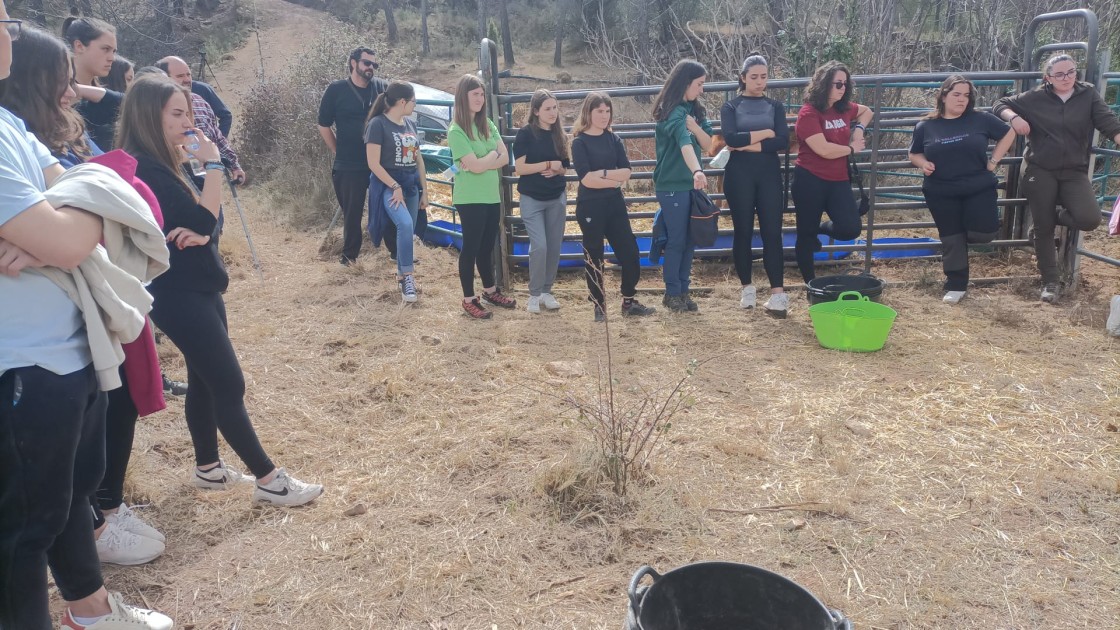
(36, 11)
(425, 43)
(642, 41)
(507, 40)
(482, 15)
(561, 27)
(390, 21)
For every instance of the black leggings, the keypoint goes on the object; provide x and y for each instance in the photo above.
(965, 212)
(607, 218)
(480, 234)
(120, 429)
(196, 324)
(755, 187)
(813, 196)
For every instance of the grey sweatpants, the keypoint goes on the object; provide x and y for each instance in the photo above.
(1044, 190)
(544, 221)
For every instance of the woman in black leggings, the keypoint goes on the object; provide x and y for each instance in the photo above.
(599, 158)
(755, 129)
(156, 128)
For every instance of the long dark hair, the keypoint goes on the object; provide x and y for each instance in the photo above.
(393, 94)
(672, 93)
(115, 80)
(140, 126)
(559, 140)
(816, 93)
(591, 102)
(468, 122)
(40, 76)
(947, 86)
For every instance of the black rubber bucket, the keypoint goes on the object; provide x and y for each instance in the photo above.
(829, 288)
(725, 596)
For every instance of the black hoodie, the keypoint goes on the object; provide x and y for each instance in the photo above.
(1061, 132)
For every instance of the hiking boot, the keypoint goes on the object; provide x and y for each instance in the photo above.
(600, 314)
(127, 520)
(496, 298)
(173, 388)
(549, 301)
(747, 297)
(1050, 293)
(408, 288)
(286, 490)
(675, 303)
(221, 477)
(778, 305)
(953, 297)
(631, 307)
(116, 546)
(121, 617)
(689, 303)
(475, 310)
(534, 305)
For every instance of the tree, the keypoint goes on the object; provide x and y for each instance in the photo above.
(390, 21)
(425, 44)
(561, 32)
(483, 13)
(507, 39)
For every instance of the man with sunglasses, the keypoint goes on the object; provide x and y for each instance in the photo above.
(1058, 118)
(345, 105)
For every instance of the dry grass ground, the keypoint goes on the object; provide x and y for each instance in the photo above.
(967, 476)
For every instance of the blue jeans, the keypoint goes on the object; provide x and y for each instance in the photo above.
(676, 208)
(404, 217)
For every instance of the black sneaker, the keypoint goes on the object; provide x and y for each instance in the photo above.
(600, 314)
(689, 303)
(173, 388)
(633, 308)
(675, 303)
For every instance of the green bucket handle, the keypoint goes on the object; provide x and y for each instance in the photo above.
(856, 296)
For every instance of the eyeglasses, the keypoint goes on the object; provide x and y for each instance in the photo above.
(366, 63)
(1064, 75)
(840, 85)
(14, 27)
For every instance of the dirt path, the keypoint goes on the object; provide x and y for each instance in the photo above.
(964, 477)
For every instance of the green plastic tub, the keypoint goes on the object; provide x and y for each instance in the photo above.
(852, 323)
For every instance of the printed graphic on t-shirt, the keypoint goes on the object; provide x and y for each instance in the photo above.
(838, 123)
(952, 139)
(406, 147)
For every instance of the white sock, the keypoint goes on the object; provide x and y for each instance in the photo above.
(87, 621)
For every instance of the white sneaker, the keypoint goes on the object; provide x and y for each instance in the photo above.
(549, 302)
(221, 478)
(122, 617)
(1050, 293)
(117, 546)
(127, 520)
(747, 297)
(778, 305)
(534, 305)
(953, 297)
(286, 490)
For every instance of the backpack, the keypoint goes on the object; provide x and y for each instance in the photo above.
(703, 225)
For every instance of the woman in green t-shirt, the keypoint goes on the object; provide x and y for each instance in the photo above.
(683, 131)
(479, 153)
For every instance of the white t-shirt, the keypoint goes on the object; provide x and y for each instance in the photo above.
(39, 324)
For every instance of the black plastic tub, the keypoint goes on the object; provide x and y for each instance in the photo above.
(725, 596)
(829, 288)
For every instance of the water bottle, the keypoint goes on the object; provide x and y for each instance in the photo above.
(192, 144)
(449, 174)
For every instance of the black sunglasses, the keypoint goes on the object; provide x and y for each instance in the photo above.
(367, 63)
(840, 85)
(14, 27)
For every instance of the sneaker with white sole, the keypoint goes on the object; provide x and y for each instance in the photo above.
(534, 305)
(286, 490)
(221, 477)
(778, 305)
(127, 520)
(747, 297)
(408, 288)
(117, 546)
(549, 301)
(953, 297)
(1050, 293)
(122, 617)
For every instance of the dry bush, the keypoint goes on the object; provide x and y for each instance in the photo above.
(280, 128)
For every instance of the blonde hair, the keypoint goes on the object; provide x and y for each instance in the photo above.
(140, 126)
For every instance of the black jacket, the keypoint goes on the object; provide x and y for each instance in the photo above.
(1061, 132)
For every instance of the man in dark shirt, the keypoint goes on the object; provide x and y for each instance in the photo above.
(180, 72)
(345, 105)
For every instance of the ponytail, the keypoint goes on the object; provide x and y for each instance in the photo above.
(396, 92)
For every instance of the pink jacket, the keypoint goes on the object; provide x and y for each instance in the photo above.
(141, 363)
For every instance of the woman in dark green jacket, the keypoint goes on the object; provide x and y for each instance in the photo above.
(683, 131)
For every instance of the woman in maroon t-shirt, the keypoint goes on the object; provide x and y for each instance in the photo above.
(828, 135)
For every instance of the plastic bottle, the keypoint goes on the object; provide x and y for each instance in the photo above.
(449, 174)
(191, 143)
